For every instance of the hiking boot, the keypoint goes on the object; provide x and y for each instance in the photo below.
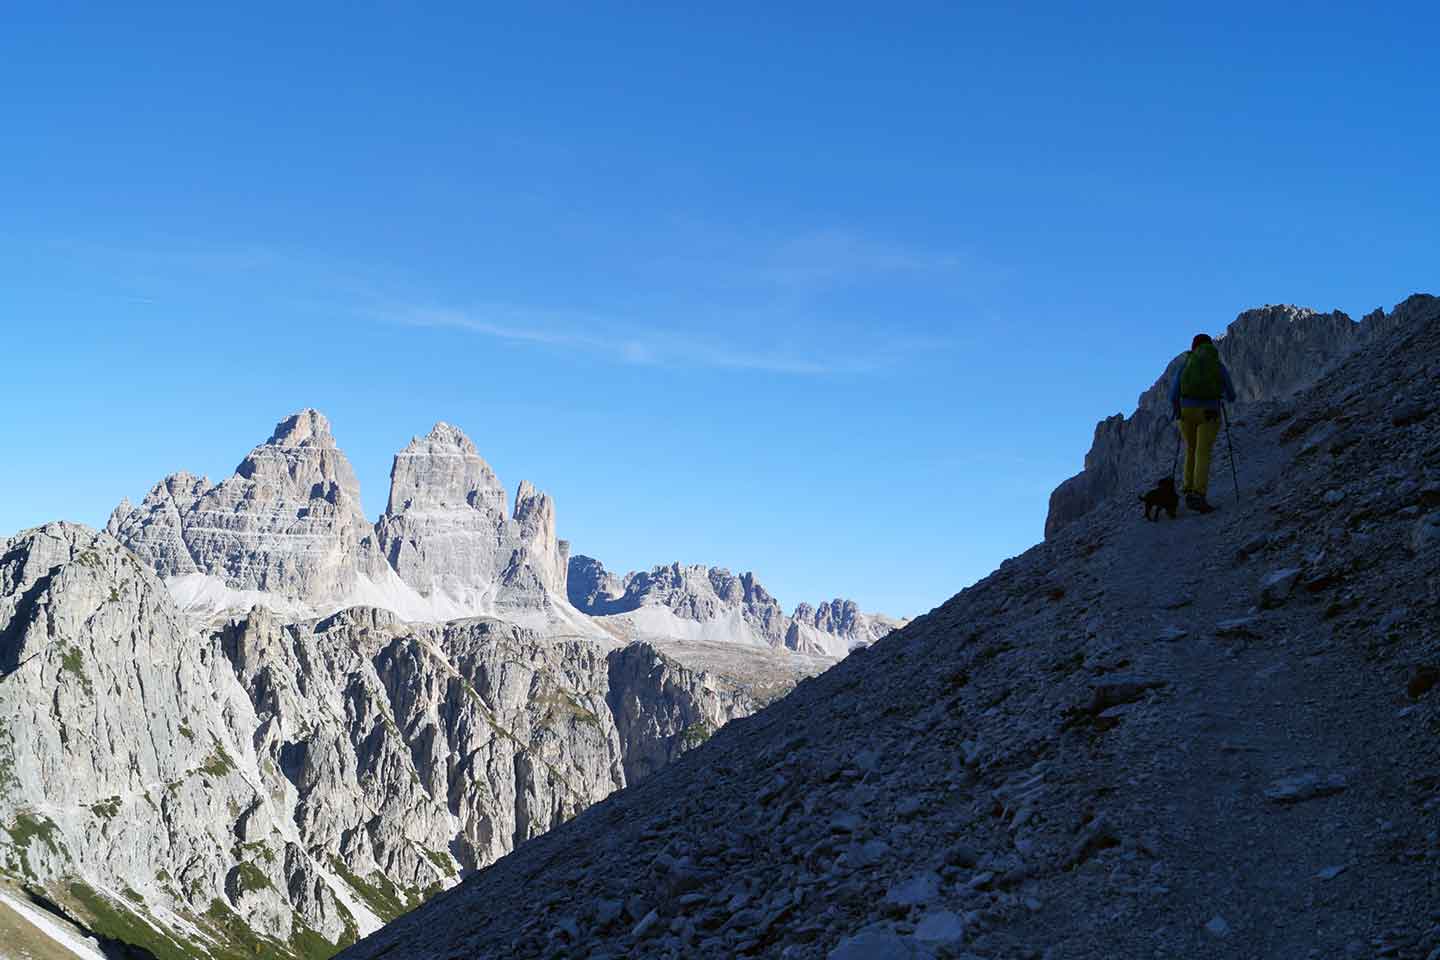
(1198, 503)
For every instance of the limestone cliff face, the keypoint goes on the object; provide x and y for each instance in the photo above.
(294, 780)
(663, 708)
(126, 759)
(1271, 353)
(287, 530)
(446, 533)
(288, 522)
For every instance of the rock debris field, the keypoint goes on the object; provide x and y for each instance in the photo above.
(1214, 736)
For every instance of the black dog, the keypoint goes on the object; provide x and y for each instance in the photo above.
(1163, 497)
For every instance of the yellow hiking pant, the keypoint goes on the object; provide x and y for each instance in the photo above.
(1199, 427)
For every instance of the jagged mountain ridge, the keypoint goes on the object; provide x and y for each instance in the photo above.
(287, 530)
(1271, 352)
(1134, 740)
(271, 787)
(667, 599)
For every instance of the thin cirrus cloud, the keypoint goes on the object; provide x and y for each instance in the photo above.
(616, 342)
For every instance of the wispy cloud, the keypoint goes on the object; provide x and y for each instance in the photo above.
(618, 340)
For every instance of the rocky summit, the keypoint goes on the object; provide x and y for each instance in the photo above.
(698, 602)
(1209, 736)
(287, 531)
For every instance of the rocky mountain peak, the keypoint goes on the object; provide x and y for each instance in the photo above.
(304, 428)
(707, 601)
(443, 471)
(288, 522)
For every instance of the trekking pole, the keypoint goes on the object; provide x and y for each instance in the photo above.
(1234, 474)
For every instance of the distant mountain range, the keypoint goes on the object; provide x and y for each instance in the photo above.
(287, 531)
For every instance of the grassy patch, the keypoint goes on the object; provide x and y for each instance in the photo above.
(561, 705)
(118, 922)
(186, 732)
(249, 878)
(442, 861)
(382, 896)
(73, 661)
(28, 830)
(109, 808)
(309, 944)
(7, 757)
(218, 763)
(696, 734)
(243, 941)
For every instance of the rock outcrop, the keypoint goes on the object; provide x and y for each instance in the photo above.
(1130, 741)
(446, 534)
(1271, 353)
(273, 787)
(697, 602)
(836, 627)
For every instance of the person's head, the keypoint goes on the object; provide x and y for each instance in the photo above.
(1199, 339)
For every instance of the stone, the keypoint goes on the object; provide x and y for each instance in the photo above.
(918, 889)
(1238, 627)
(1217, 927)
(880, 945)
(1304, 786)
(608, 911)
(940, 926)
(1330, 873)
(646, 924)
(1425, 534)
(1276, 587)
(909, 807)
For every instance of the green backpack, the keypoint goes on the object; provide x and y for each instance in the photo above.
(1201, 379)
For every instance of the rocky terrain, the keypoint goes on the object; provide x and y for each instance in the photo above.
(283, 787)
(1270, 351)
(697, 602)
(1209, 736)
(244, 719)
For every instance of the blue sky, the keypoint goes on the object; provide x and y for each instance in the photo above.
(831, 292)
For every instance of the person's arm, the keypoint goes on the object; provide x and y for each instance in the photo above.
(1175, 392)
(1229, 385)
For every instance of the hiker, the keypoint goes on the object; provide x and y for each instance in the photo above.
(1200, 387)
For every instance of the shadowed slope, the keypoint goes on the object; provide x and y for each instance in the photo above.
(1134, 740)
